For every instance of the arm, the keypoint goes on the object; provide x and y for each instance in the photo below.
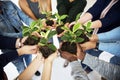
(28, 73)
(61, 7)
(77, 8)
(12, 55)
(49, 7)
(104, 68)
(25, 8)
(7, 42)
(110, 36)
(77, 71)
(16, 35)
(46, 74)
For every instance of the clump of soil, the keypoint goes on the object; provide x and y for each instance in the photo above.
(31, 40)
(49, 22)
(46, 51)
(69, 47)
(59, 30)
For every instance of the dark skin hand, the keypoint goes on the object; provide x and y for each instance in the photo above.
(71, 57)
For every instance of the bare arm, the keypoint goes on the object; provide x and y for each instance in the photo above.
(28, 73)
(46, 75)
(25, 8)
(87, 17)
(49, 7)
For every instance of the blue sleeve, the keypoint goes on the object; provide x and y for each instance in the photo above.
(113, 35)
(26, 19)
(7, 42)
(16, 35)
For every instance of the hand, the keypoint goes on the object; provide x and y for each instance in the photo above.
(94, 38)
(66, 55)
(88, 45)
(52, 57)
(27, 50)
(72, 23)
(80, 53)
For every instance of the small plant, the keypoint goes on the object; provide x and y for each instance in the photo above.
(60, 22)
(77, 34)
(49, 18)
(28, 30)
(46, 47)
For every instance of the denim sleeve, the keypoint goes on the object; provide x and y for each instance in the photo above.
(77, 72)
(26, 19)
(16, 35)
(107, 70)
(110, 36)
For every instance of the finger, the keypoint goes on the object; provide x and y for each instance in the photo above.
(71, 24)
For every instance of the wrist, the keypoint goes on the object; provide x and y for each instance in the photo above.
(18, 43)
(19, 51)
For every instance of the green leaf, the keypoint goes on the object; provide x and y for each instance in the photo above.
(26, 32)
(51, 34)
(42, 34)
(33, 24)
(79, 40)
(65, 28)
(89, 24)
(52, 47)
(43, 41)
(78, 16)
(63, 17)
(25, 27)
(66, 37)
(78, 32)
(46, 34)
(76, 27)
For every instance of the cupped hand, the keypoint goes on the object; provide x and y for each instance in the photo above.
(27, 50)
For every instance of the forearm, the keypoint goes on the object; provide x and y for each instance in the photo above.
(49, 8)
(28, 73)
(84, 18)
(46, 75)
(25, 8)
(77, 72)
(96, 24)
(102, 67)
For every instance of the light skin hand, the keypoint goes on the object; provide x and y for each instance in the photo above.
(88, 45)
(52, 57)
(27, 50)
(94, 38)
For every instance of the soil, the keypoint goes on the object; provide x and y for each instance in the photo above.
(31, 41)
(59, 30)
(69, 47)
(49, 22)
(46, 51)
